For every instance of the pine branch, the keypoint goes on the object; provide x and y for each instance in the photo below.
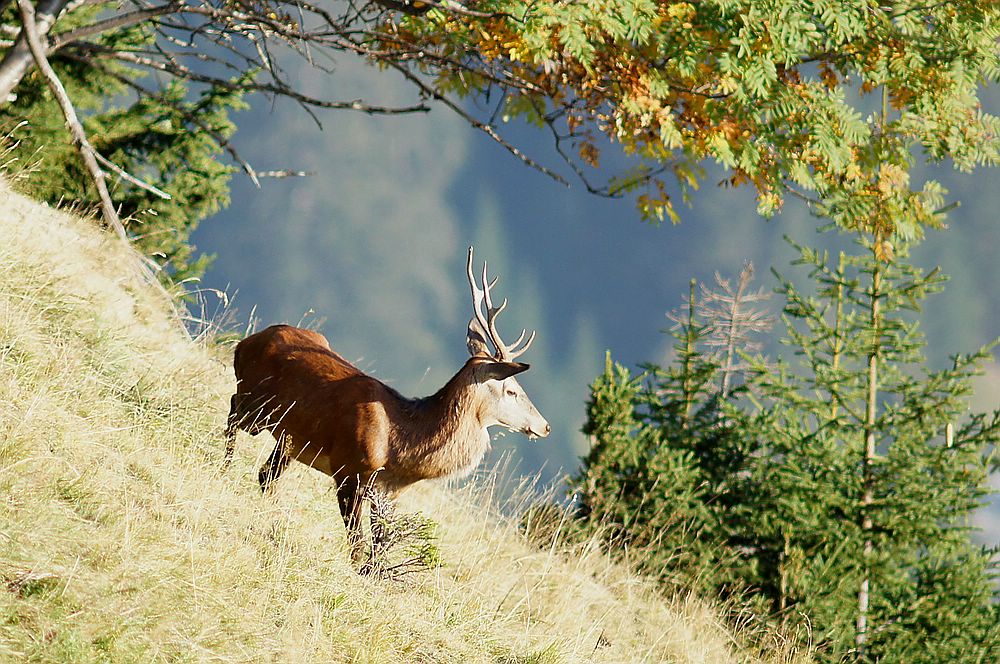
(87, 152)
(690, 336)
(838, 330)
(194, 119)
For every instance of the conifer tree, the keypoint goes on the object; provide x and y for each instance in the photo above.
(662, 471)
(168, 138)
(869, 469)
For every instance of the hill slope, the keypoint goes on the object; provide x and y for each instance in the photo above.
(121, 540)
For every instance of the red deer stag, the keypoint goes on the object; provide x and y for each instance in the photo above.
(326, 413)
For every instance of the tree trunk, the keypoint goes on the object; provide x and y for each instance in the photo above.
(688, 384)
(838, 331)
(733, 331)
(868, 458)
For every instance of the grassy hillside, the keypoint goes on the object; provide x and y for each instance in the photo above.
(121, 540)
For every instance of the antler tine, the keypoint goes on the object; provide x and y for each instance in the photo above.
(487, 285)
(503, 351)
(519, 339)
(478, 295)
(520, 351)
(492, 313)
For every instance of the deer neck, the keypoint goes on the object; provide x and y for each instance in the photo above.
(444, 434)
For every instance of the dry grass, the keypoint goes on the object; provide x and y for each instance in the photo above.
(121, 541)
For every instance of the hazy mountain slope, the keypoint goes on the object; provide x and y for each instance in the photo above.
(372, 249)
(120, 540)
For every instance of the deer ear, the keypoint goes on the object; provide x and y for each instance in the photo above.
(476, 339)
(502, 370)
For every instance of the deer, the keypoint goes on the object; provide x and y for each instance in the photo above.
(326, 413)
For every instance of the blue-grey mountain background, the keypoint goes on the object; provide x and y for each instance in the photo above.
(371, 251)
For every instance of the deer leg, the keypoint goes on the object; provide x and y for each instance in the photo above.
(350, 495)
(274, 466)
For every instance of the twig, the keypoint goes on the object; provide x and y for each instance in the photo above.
(285, 174)
(121, 21)
(557, 139)
(87, 152)
(183, 72)
(131, 178)
(482, 126)
(811, 202)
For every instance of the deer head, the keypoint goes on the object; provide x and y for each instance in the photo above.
(509, 405)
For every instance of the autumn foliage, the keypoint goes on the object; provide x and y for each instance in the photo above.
(825, 100)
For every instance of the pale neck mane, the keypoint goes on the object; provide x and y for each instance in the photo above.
(442, 434)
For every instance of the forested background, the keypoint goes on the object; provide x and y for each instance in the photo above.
(370, 250)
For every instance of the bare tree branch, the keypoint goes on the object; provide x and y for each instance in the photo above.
(557, 139)
(244, 35)
(87, 151)
(186, 73)
(193, 118)
(287, 173)
(121, 21)
(487, 129)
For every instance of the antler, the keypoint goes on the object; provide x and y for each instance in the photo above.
(488, 324)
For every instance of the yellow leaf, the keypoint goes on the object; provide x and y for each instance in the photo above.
(884, 251)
